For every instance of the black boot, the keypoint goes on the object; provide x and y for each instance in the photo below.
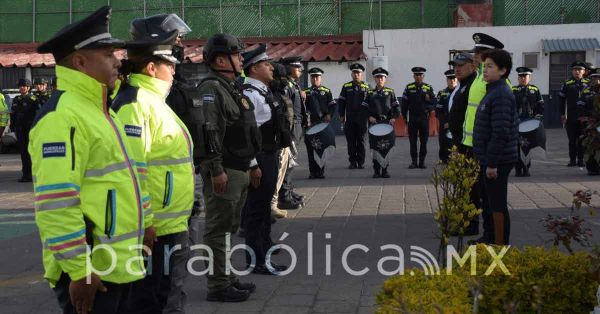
(580, 163)
(422, 164)
(384, 173)
(413, 165)
(376, 169)
(247, 286)
(571, 164)
(229, 294)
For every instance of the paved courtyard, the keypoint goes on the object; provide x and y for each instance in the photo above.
(348, 207)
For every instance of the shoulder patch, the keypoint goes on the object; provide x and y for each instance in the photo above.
(348, 85)
(533, 87)
(411, 85)
(48, 106)
(127, 94)
(208, 99)
(133, 130)
(57, 149)
(569, 82)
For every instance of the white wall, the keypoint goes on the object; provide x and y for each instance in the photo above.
(429, 48)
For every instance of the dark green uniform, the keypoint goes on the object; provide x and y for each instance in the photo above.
(231, 142)
(42, 96)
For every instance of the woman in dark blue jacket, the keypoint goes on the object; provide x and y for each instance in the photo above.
(495, 141)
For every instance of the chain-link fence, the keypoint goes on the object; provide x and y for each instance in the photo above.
(539, 12)
(37, 20)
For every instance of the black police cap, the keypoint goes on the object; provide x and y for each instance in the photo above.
(589, 66)
(316, 71)
(40, 80)
(524, 71)
(159, 23)
(295, 61)
(221, 43)
(357, 67)
(256, 55)
(89, 33)
(595, 72)
(24, 82)
(461, 58)
(418, 70)
(485, 41)
(450, 74)
(158, 45)
(578, 65)
(279, 70)
(380, 72)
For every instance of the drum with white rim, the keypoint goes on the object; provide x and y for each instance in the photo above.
(532, 136)
(381, 141)
(321, 138)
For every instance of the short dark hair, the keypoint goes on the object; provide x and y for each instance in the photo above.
(501, 58)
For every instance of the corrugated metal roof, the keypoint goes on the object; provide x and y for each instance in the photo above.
(318, 48)
(572, 44)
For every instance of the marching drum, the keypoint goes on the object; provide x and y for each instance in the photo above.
(322, 139)
(532, 135)
(381, 141)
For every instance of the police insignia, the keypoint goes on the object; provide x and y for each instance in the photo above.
(54, 149)
(386, 93)
(133, 130)
(196, 103)
(322, 93)
(208, 99)
(245, 103)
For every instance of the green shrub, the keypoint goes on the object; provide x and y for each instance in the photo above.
(540, 281)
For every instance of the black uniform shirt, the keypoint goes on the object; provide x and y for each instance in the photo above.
(23, 110)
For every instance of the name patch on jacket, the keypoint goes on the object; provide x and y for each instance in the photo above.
(133, 130)
(54, 150)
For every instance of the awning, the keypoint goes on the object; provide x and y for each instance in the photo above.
(572, 44)
(310, 48)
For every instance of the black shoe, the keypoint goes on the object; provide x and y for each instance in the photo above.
(297, 197)
(412, 166)
(352, 166)
(229, 294)
(518, 173)
(571, 164)
(244, 286)
(580, 163)
(360, 166)
(25, 179)
(263, 270)
(376, 175)
(312, 176)
(320, 176)
(526, 174)
(384, 173)
(422, 166)
(289, 204)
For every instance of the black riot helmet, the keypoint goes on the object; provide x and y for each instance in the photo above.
(222, 44)
(156, 24)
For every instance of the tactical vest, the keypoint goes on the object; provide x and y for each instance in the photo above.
(272, 132)
(242, 139)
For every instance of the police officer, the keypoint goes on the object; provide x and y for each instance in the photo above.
(383, 107)
(41, 90)
(417, 103)
(593, 107)
(161, 146)
(320, 107)
(232, 140)
(477, 91)
(572, 107)
(530, 105)
(269, 119)
(354, 115)
(4, 114)
(442, 113)
(24, 108)
(87, 187)
(288, 199)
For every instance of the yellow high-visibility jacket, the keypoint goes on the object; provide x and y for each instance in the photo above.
(162, 145)
(86, 186)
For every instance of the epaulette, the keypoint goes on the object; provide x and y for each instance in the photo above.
(349, 84)
(427, 86)
(569, 82)
(387, 89)
(323, 88)
(514, 88)
(533, 87)
(411, 85)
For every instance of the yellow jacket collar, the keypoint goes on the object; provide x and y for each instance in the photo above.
(82, 84)
(151, 84)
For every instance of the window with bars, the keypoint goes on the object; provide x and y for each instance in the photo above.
(531, 60)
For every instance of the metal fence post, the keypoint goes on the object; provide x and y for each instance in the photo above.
(33, 22)
(144, 8)
(221, 15)
(339, 15)
(298, 17)
(183, 10)
(380, 14)
(260, 18)
(526, 3)
(422, 13)
(70, 11)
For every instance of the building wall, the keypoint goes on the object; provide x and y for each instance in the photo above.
(430, 48)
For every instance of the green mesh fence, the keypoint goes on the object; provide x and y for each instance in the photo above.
(37, 20)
